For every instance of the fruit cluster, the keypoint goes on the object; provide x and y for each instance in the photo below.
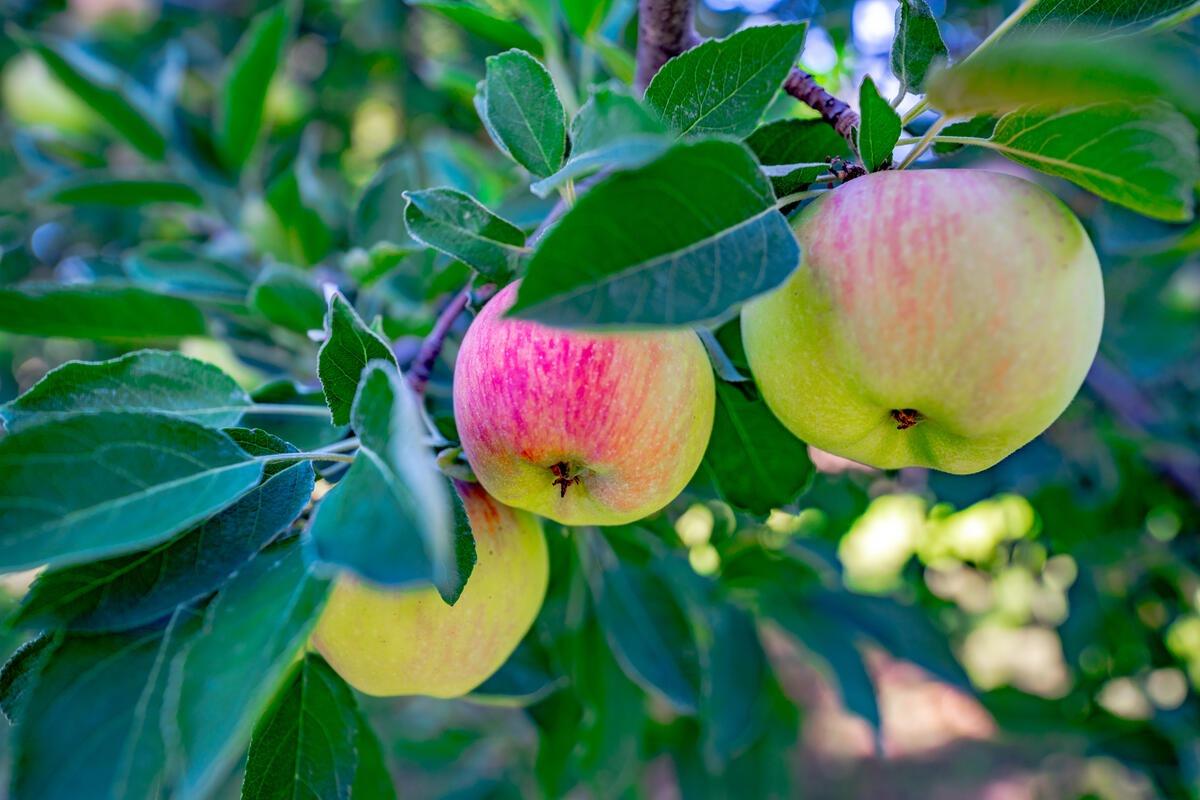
(939, 318)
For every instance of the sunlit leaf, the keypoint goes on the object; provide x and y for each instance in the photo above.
(522, 112)
(349, 345)
(917, 44)
(458, 225)
(879, 128)
(244, 92)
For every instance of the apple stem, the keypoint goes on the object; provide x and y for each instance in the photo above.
(563, 477)
(906, 418)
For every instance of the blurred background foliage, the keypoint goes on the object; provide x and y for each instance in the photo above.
(1065, 581)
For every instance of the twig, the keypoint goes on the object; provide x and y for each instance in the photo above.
(837, 113)
(664, 31)
(923, 143)
(421, 368)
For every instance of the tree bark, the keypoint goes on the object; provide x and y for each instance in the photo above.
(664, 31)
(804, 87)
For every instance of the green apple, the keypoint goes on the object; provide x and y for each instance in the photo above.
(583, 428)
(389, 642)
(33, 96)
(939, 318)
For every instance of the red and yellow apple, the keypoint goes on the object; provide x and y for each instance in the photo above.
(388, 642)
(939, 318)
(583, 428)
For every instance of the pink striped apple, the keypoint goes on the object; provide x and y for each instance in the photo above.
(583, 428)
(939, 318)
(386, 642)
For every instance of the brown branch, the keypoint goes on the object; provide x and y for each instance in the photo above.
(804, 87)
(421, 368)
(664, 31)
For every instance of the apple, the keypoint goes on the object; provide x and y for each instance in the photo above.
(939, 318)
(583, 428)
(33, 96)
(389, 642)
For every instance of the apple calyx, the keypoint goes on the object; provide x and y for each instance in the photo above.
(906, 418)
(563, 477)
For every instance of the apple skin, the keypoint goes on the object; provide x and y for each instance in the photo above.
(974, 298)
(628, 414)
(387, 642)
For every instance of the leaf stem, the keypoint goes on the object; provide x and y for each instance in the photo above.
(788, 199)
(568, 192)
(293, 409)
(351, 443)
(923, 143)
(312, 455)
(721, 363)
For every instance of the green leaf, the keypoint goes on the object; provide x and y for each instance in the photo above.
(879, 129)
(135, 589)
(522, 112)
(378, 215)
(734, 670)
(483, 22)
(304, 745)
(372, 781)
(459, 226)
(979, 127)
(254, 630)
(294, 197)
(613, 131)
(285, 296)
(792, 149)
(102, 189)
(1143, 157)
(92, 486)
(1062, 72)
(102, 696)
(917, 44)
(170, 267)
(1106, 17)
(97, 311)
(725, 85)
(146, 380)
(349, 345)
(755, 462)
(644, 626)
(389, 519)
(19, 674)
(112, 96)
(637, 251)
(244, 91)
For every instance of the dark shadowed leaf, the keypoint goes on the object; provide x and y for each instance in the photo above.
(249, 73)
(724, 86)
(755, 462)
(308, 431)
(132, 590)
(98, 485)
(459, 226)
(182, 269)
(522, 112)
(644, 625)
(389, 519)
(790, 151)
(100, 695)
(1141, 156)
(831, 641)
(20, 672)
(106, 190)
(636, 252)
(879, 128)
(611, 131)
(524, 679)
(349, 345)
(111, 95)
(917, 44)
(372, 781)
(304, 744)
(97, 311)
(146, 380)
(733, 668)
(484, 22)
(254, 630)
(286, 297)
